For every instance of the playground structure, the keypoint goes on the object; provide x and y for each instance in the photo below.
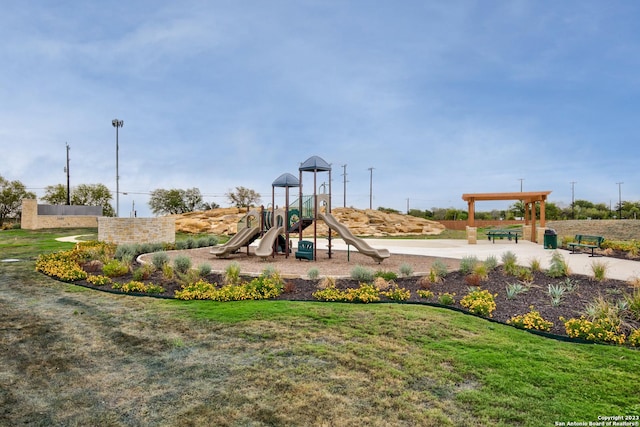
(275, 225)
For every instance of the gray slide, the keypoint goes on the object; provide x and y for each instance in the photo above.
(240, 239)
(360, 244)
(265, 248)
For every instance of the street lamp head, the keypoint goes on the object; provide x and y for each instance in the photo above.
(117, 123)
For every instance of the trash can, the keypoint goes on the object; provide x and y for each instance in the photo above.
(550, 239)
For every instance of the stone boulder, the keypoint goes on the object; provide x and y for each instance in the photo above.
(368, 222)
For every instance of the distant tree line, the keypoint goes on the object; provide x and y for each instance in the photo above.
(581, 209)
(177, 201)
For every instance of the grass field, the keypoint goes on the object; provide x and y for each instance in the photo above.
(72, 356)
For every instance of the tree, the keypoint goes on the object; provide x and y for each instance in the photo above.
(176, 201)
(93, 195)
(55, 194)
(82, 195)
(11, 195)
(243, 197)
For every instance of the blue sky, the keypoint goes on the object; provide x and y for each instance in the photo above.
(440, 98)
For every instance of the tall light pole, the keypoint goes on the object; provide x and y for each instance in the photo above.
(66, 169)
(370, 188)
(117, 124)
(619, 199)
(573, 201)
(521, 179)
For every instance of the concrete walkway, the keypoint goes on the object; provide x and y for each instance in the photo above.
(525, 252)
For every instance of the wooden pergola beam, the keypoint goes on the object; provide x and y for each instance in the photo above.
(528, 198)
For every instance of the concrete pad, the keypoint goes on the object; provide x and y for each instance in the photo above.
(525, 251)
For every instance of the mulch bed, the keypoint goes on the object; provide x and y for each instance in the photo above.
(572, 305)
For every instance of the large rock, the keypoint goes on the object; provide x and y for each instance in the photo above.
(224, 221)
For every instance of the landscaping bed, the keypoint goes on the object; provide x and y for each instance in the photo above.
(521, 292)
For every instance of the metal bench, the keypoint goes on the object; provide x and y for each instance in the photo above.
(305, 250)
(501, 234)
(586, 241)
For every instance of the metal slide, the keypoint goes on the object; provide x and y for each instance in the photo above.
(240, 239)
(265, 248)
(360, 244)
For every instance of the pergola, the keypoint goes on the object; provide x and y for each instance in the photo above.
(529, 199)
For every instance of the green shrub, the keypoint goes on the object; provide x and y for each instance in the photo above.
(599, 269)
(190, 242)
(232, 273)
(509, 263)
(362, 274)
(126, 252)
(159, 259)
(143, 272)
(181, 245)
(115, 268)
(447, 298)
(204, 269)
(491, 262)
(386, 275)
(313, 273)
(558, 266)
(535, 265)
(406, 270)
(426, 294)
(439, 268)
(167, 271)
(633, 303)
(468, 263)
(182, 264)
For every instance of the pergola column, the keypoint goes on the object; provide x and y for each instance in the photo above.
(472, 213)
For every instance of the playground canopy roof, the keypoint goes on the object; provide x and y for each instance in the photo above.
(315, 164)
(286, 180)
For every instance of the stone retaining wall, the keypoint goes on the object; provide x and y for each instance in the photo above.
(136, 230)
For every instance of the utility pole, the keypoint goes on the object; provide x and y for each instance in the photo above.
(370, 188)
(573, 201)
(344, 182)
(521, 179)
(619, 199)
(407, 206)
(66, 169)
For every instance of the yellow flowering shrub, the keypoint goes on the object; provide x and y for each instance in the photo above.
(531, 320)
(197, 290)
(397, 294)
(599, 330)
(479, 302)
(99, 280)
(141, 287)
(262, 287)
(634, 338)
(61, 265)
(426, 294)
(365, 293)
